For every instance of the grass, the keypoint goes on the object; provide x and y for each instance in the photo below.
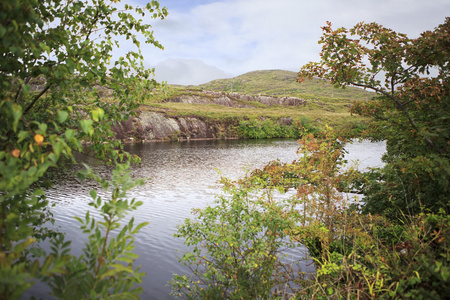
(283, 83)
(325, 104)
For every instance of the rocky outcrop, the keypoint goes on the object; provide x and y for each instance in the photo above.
(235, 99)
(157, 126)
(153, 126)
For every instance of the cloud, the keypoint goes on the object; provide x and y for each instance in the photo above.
(187, 71)
(239, 36)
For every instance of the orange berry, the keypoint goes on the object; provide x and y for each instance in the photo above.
(16, 153)
(39, 139)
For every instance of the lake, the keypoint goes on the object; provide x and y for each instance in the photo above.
(180, 176)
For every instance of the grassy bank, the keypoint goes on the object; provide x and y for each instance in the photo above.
(325, 105)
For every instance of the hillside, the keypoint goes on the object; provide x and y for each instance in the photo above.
(283, 83)
(254, 105)
(324, 103)
(231, 108)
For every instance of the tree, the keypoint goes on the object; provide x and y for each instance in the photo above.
(411, 108)
(321, 180)
(64, 48)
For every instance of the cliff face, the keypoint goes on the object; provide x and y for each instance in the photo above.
(156, 126)
(236, 100)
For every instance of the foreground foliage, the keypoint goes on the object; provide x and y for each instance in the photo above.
(379, 259)
(105, 270)
(240, 239)
(66, 47)
(411, 112)
(237, 247)
(402, 253)
(392, 245)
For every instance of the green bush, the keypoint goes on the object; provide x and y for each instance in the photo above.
(407, 185)
(105, 270)
(409, 261)
(236, 247)
(267, 129)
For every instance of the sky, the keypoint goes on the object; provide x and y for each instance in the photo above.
(205, 39)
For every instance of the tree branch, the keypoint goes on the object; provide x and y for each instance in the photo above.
(400, 107)
(37, 98)
(19, 91)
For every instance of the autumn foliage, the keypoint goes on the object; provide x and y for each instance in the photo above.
(391, 245)
(410, 108)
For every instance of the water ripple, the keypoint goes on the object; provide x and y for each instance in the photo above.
(181, 176)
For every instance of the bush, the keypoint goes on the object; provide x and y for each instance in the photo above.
(408, 186)
(105, 270)
(267, 129)
(409, 261)
(236, 247)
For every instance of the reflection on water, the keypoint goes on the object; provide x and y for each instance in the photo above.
(180, 176)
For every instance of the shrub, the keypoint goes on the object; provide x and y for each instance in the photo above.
(267, 129)
(409, 261)
(236, 247)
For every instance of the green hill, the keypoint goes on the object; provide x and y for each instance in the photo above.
(325, 105)
(283, 83)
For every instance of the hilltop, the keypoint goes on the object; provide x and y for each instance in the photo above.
(283, 83)
(261, 100)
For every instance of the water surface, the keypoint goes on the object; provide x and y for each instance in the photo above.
(180, 176)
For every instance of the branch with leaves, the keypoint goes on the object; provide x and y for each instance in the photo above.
(66, 46)
(411, 103)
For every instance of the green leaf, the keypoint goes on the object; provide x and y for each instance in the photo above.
(43, 128)
(22, 136)
(139, 226)
(38, 192)
(2, 32)
(17, 113)
(128, 260)
(69, 134)
(57, 147)
(45, 48)
(62, 116)
(132, 255)
(97, 114)
(86, 126)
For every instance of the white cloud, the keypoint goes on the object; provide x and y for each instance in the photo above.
(238, 36)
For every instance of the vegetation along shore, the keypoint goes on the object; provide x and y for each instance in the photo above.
(60, 88)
